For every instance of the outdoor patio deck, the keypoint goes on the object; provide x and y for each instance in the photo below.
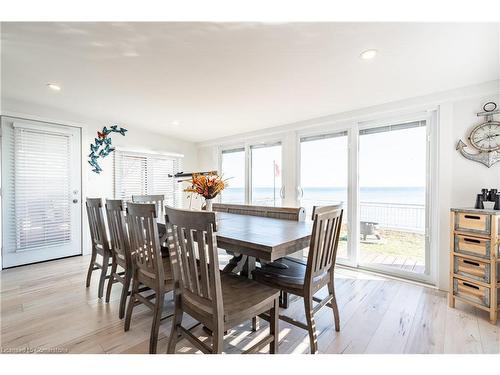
(405, 263)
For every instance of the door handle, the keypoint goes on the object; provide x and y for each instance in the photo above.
(75, 201)
(282, 192)
(300, 192)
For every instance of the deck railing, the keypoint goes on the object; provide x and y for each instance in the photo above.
(402, 216)
(394, 215)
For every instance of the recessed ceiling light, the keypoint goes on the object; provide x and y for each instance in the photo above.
(175, 123)
(130, 54)
(54, 87)
(368, 54)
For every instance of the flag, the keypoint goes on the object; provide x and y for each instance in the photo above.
(277, 171)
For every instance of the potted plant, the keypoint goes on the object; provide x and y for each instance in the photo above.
(208, 186)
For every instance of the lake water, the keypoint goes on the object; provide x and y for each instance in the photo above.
(391, 207)
(400, 195)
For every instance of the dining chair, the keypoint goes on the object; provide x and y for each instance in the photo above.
(305, 279)
(158, 200)
(100, 243)
(219, 301)
(149, 268)
(120, 249)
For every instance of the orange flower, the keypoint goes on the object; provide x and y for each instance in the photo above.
(208, 186)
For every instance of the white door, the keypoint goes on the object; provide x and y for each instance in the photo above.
(41, 197)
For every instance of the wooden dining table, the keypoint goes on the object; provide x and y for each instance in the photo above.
(253, 237)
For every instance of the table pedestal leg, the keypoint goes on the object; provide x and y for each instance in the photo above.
(236, 264)
(244, 265)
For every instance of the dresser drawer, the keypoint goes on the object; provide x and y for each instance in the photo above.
(469, 245)
(471, 292)
(472, 222)
(472, 269)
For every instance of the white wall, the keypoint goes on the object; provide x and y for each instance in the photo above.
(457, 179)
(101, 185)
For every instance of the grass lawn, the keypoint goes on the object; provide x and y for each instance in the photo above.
(396, 243)
(392, 242)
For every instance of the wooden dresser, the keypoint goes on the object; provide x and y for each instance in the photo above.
(475, 271)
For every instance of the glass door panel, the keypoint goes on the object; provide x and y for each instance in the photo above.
(392, 198)
(266, 174)
(233, 169)
(324, 177)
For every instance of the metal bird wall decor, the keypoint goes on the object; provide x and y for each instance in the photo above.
(102, 146)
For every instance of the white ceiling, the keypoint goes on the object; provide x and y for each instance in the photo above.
(219, 79)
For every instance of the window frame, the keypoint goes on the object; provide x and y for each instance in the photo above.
(178, 200)
(247, 145)
(233, 148)
(351, 189)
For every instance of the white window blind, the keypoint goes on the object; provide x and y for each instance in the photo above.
(42, 198)
(140, 174)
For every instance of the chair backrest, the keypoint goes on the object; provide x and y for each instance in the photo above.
(193, 253)
(118, 234)
(97, 225)
(285, 213)
(324, 240)
(145, 244)
(157, 200)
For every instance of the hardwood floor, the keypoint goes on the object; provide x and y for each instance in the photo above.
(46, 307)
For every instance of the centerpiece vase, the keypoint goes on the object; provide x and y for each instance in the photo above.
(208, 204)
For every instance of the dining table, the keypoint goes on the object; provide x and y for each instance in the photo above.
(249, 238)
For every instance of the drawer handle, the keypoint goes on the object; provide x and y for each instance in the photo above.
(473, 217)
(470, 285)
(471, 240)
(471, 262)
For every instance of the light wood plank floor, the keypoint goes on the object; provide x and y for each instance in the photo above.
(47, 307)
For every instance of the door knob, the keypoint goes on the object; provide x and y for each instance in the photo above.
(75, 200)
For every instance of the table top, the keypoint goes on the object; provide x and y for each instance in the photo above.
(263, 237)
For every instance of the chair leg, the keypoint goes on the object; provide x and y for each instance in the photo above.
(218, 340)
(176, 322)
(284, 299)
(335, 308)
(131, 304)
(102, 278)
(255, 324)
(111, 280)
(123, 299)
(91, 268)
(155, 327)
(273, 327)
(311, 325)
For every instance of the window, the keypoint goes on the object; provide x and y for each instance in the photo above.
(42, 199)
(140, 174)
(233, 168)
(324, 176)
(266, 174)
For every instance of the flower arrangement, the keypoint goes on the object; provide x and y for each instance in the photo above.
(208, 186)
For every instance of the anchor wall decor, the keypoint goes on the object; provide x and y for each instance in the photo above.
(485, 138)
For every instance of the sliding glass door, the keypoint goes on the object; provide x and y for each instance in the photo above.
(324, 177)
(379, 173)
(392, 198)
(266, 174)
(233, 169)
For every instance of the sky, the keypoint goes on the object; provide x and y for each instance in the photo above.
(388, 159)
